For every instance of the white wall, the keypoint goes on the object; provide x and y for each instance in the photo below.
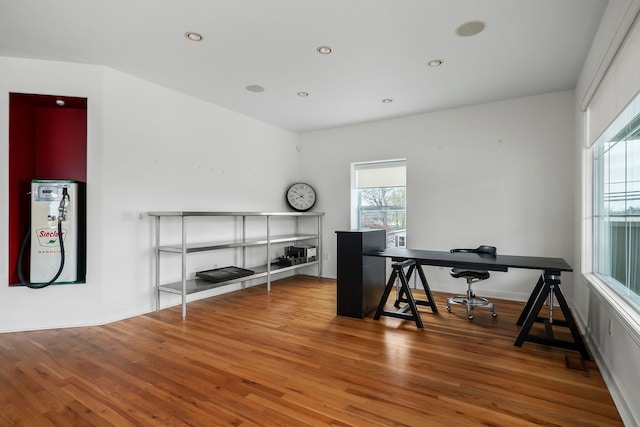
(149, 148)
(611, 327)
(499, 173)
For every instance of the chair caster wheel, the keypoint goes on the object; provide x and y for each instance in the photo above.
(470, 317)
(494, 314)
(449, 309)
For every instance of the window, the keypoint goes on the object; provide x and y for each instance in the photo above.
(380, 198)
(616, 222)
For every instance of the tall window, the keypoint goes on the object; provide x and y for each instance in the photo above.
(380, 198)
(617, 204)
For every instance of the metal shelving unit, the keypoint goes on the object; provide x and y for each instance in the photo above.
(189, 286)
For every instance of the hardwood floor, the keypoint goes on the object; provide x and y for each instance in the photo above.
(248, 358)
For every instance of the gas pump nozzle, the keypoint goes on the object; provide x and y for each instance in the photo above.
(62, 208)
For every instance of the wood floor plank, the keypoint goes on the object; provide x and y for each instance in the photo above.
(284, 358)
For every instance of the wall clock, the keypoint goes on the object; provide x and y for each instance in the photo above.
(301, 196)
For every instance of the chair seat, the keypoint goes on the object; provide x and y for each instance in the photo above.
(476, 274)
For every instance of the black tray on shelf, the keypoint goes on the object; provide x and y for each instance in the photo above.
(223, 274)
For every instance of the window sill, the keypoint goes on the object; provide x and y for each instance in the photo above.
(629, 316)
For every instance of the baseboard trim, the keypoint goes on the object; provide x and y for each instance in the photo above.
(619, 398)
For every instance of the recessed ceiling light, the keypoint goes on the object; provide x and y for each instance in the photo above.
(471, 28)
(194, 37)
(324, 50)
(435, 63)
(387, 100)
(60, 102)
(303, 94)
(255, 88)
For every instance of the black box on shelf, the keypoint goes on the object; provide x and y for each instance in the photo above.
(224, 274)
(307, 252)
(289, 261)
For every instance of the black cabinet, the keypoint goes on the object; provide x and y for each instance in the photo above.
(360, 279)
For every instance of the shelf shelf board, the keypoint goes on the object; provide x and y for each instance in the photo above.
(199, 285)
(210, 246)
(207, 213)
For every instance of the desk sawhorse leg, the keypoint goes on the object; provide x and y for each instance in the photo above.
(549, 283)
(405, 295)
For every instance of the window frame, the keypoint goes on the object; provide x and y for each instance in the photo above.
(624, 300)
(355, 190)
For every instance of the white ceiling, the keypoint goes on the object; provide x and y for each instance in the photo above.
(380, 50)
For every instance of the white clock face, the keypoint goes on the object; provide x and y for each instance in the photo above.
(301, 196)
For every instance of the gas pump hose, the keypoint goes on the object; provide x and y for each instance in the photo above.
(22, 248)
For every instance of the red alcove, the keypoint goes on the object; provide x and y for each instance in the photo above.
(46, 141)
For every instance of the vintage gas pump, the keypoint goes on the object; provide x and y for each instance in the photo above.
(54, 233)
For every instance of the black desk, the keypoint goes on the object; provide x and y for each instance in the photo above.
(549, 282)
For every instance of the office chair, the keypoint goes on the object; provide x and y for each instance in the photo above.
(470, 300)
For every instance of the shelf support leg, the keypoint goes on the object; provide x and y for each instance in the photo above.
(268, 254)
(244, 248)
(320, 255)
(184, 268)
(157, 255)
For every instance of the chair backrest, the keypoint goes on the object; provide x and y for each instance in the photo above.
(482, 249)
